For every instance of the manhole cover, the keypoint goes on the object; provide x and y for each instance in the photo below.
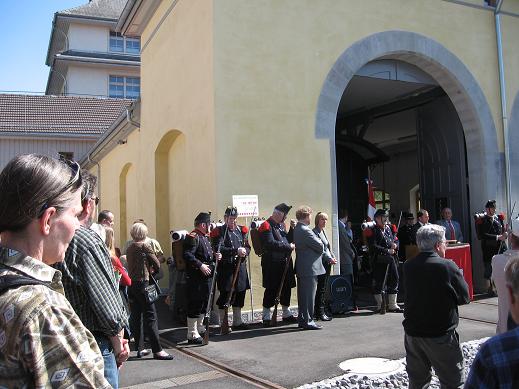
(371, 366)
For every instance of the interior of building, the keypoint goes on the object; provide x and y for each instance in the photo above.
(396, 125)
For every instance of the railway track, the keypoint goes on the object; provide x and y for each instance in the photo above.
(222, 367)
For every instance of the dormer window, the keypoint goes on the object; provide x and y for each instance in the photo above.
(122, 44)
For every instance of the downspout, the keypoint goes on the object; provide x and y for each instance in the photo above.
(130, 120)
(98, 181)
(502, 90)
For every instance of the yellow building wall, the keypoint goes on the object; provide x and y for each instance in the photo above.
(166, 166)
(229, 98)
(271, 60)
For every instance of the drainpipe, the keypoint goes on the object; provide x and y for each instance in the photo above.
(502, 90)
(130, 120)
(98, 181)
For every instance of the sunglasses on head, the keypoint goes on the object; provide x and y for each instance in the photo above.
(74, 178)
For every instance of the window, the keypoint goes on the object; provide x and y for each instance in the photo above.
(121, 44)
(116, 42)
(382, 199)
(69, 155)
(133, 45)
(121, 87)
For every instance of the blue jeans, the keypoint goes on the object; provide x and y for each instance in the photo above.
(111, 372)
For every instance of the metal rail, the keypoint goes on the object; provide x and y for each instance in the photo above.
(240, 374)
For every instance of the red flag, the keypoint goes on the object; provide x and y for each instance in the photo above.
(371, 200)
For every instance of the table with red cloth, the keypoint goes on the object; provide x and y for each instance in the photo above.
(460, 254)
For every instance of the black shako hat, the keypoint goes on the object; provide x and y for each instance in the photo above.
(381, 212)
(203, 217)
(408, 215)
(490, 204)
(231, 211)
(283, 208)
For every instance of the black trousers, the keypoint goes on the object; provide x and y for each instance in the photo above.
(379, 272)
(143, 312)
(269, 296)
(198, 290)
(322, 283)
(237, 301)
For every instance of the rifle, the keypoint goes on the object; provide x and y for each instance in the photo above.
(211, 295)
(274, 318)
(225, 323)
(509, 221)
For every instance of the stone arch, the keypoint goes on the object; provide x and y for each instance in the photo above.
(123, 214)
(483, 156)
(170, 152)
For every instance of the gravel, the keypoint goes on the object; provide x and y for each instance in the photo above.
(391, 381)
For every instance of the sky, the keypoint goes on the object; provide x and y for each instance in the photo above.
(26, 26)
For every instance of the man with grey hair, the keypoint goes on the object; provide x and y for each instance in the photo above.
(497, 363)
(434, 289)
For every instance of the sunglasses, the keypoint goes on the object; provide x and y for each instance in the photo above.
(75, 169)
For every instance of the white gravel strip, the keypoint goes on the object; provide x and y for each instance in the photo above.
(391, 381)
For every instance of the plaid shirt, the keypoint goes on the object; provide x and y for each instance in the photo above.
(42, 341)
(497, 363)
(90, 284)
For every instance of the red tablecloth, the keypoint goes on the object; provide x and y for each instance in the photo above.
(460, 254)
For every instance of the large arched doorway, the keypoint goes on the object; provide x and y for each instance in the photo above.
(465, 97)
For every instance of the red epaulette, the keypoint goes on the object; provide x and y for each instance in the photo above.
(479, 221)
(368, 232)
(501, 216)
(193, 234)
(215, 233)
(393, 228)
(265, 226)
(244, 229)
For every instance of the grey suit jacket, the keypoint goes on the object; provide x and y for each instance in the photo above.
(309, 252)
(327, 255)
(345, 251)
(457, 229)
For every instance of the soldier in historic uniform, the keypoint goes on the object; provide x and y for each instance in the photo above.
(277, 249)
(404, 234)
(235, 248)
(491, 231)
(383, 245)
(200, 263)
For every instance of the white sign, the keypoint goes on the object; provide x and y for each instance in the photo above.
(247, 205)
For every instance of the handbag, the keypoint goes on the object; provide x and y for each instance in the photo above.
(152, 291)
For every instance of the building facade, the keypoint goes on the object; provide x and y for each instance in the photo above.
(88, 58)
(301, 102)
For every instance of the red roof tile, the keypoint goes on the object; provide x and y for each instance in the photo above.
(58, 115)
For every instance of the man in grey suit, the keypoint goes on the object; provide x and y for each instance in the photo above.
(345, 246)
(309, 252)
(452, 227)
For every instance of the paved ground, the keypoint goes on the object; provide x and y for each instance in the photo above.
(288, 356)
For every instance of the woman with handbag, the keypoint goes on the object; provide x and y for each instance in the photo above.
(144, 291)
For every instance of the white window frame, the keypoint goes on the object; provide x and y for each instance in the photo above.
(125, 40)
(125, 86)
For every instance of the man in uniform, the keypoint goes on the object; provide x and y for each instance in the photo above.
(234, 247)
(383, 245)
(404, 234)
(200, 263)
(491, 231)
(276, 253)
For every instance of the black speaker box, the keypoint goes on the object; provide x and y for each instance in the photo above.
(340, 294)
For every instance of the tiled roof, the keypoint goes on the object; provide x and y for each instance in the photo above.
(58, 115)
(106, 9)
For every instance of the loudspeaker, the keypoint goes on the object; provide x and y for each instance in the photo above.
(340, 294)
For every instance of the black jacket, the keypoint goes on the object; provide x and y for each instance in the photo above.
(276, 250)
(229, 250)
(434, 289)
